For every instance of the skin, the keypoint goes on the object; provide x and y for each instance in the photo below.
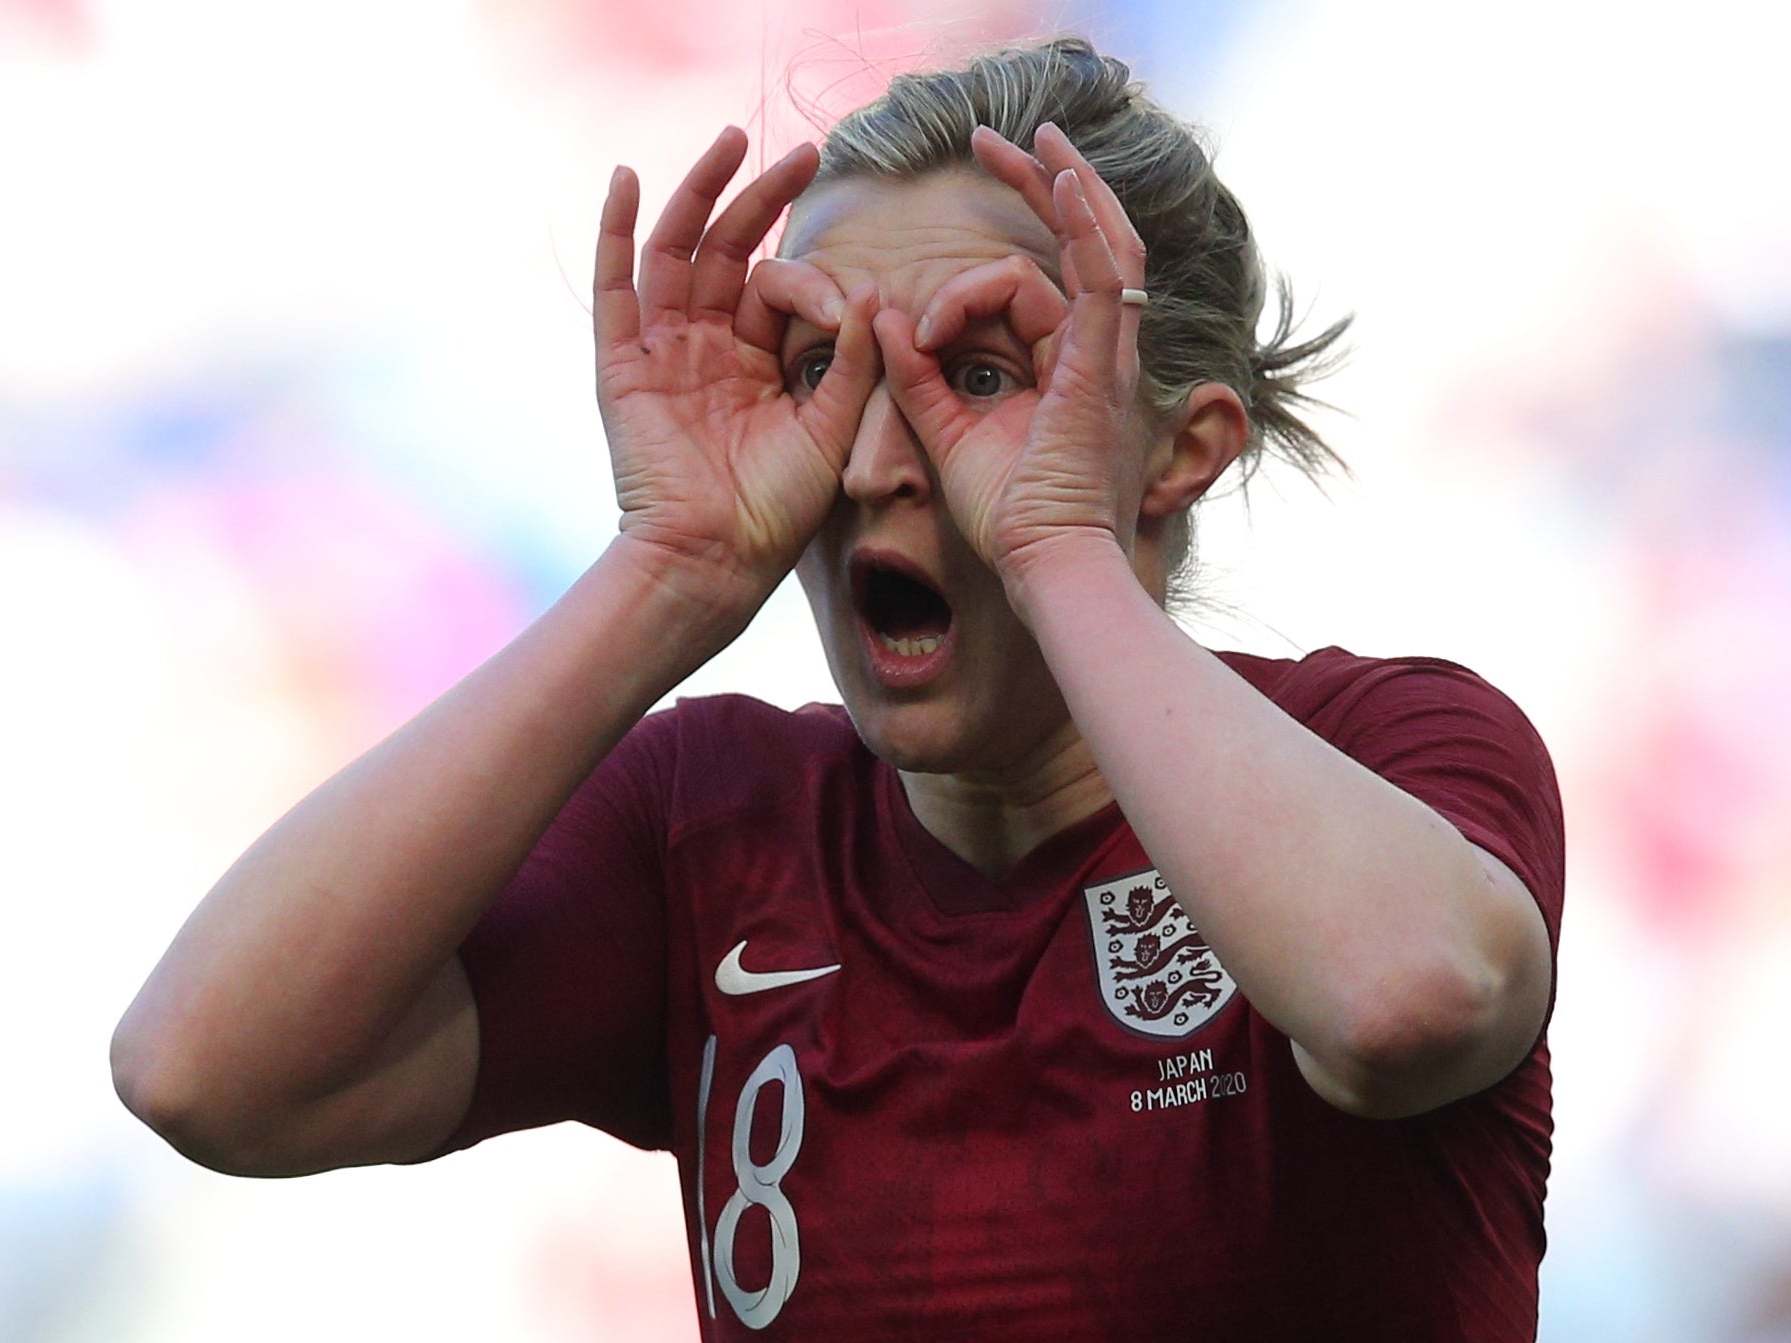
(989, 756)
(312, 1013)
(1003, 448)
(995, 714)
(733, 460)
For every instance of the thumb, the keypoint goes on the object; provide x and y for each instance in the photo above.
(918, 386)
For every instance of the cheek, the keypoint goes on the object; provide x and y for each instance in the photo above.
(829, 598)
(811, 574)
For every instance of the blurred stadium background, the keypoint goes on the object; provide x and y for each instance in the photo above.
(296, 429)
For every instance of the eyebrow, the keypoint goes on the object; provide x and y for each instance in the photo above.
(799, 331)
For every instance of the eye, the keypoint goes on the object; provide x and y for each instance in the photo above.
(979, 378)
(808, 369)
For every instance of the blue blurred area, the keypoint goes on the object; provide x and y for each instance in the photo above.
(62, 1237)
(1183, 43)
(1756, 395)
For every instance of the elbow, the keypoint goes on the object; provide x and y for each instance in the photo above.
(1454, 1019)
(141, 1075)
(154, 1086)
(1413, 1059)
(163, 1087)
(1405, 1053)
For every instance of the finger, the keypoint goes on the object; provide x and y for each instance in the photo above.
(665, 262)
(1095, 315)
(1013, 288)
(838, 403)
(1057, 153)
(1010, 164)
(1114, 224)
(779, 290)
(719, 272)
(615, 312)
(918, 385)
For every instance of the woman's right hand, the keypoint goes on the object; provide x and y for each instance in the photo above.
(718, 468)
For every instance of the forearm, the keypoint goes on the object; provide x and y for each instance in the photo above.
(298, 964)
(1337, 901)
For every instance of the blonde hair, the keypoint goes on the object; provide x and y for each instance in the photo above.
(1206, 280)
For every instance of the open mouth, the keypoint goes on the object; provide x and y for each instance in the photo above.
(902, 610)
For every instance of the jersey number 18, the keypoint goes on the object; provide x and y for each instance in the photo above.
(754, 1184)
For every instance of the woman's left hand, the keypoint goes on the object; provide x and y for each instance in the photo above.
(1059, 462)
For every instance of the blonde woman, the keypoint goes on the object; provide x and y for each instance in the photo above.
(1068, 980)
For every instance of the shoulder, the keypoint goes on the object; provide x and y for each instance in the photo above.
(1446, 735)
(1342, 694)
(1441, 732)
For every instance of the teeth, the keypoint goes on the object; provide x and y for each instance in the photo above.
(909, 648)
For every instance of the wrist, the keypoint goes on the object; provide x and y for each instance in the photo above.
(679, 607)
(1046, 569)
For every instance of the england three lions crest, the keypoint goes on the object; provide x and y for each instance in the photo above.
(1157, 974)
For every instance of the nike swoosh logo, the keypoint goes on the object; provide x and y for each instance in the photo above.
(732, 977)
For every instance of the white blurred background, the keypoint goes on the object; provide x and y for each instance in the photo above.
(296, 429)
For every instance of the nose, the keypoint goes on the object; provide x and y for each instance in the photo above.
(887, 460)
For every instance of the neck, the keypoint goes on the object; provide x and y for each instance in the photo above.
(994, 819)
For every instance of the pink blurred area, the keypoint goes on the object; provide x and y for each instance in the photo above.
(585, 45)
(1668, 436)
(378, 606)
(64, 27)
(296, 429)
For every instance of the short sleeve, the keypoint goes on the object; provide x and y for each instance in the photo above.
(567, 966)
(1443, 734)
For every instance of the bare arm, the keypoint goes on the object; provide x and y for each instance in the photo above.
(1408, 967)
(311, 1013)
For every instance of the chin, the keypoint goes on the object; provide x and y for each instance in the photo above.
(944, 736)
(918, 738)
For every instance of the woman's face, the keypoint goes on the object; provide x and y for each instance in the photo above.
(988, 702)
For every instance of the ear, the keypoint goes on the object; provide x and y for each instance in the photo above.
(1203, 438)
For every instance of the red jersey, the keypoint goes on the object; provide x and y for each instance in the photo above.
(911, 1102)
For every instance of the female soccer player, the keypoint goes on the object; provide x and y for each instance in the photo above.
(1071, 980)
